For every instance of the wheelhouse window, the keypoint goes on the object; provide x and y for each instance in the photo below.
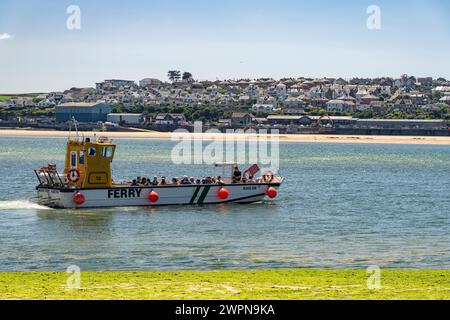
(73, 159)
(107, 152)
(81, 157)
(92, 152)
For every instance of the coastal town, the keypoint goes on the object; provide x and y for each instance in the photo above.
(405, 106)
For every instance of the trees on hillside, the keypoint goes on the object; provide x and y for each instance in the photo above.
(174, 75)
(187, 75)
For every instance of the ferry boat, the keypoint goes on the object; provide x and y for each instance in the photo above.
(86, 182)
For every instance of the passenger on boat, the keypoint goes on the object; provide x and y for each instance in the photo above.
(237, 175)
(191, 180)
(144, 181)
(219, 180)
(139, 180)
(250, 179)
(175, 180)
(185, 180)
(134, 183)
(198, 181)
(163, 181)
(207, 180)
(155, 181)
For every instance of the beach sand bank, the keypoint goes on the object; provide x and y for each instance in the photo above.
(212, 136)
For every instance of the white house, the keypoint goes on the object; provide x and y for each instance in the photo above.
(267, 100)
(338, 105)
(252, 90)
(147, 82)
(170, 119)
(258, 107)
(281, 90)
(294, 103)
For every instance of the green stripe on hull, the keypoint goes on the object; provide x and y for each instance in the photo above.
(203, 195)
(195, 195)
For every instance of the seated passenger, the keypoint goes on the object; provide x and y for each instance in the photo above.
(144, 181)
(134, 183)
(185, 180)
(250, 179)
(154, 181)
(191, 180)
(206, 180)
(163, 181)
(139, 180)
(175, 180)
(219, 180)
(198, 181)
(237, 175)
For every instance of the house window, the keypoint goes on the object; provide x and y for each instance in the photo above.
(107, 152)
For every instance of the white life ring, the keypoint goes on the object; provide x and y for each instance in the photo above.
(73, 175)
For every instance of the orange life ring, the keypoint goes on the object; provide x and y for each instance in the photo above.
(268, 176)
(73, 175)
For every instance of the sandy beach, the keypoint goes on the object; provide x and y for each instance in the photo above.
(213, 136)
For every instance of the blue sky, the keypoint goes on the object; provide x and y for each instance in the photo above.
(217, 39)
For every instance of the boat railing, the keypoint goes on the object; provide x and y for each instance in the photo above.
(49, 176)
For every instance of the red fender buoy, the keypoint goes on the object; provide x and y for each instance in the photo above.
(78, 198)
(271, 192)
(153, 196)
(223, 193)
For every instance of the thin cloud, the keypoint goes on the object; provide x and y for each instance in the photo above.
(5, 36)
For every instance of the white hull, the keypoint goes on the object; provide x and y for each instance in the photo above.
(138, 196)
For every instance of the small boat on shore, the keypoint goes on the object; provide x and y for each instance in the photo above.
(87, 182)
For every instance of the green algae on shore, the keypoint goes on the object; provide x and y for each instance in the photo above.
(251, 284)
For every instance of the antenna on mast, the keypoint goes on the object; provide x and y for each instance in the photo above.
(73, 122)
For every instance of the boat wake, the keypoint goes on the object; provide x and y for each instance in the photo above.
(20, 204)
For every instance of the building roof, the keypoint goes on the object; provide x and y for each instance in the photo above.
(332, 117)
(161, 116)
(401, 120)
(241, 114)
(283, 117)
(80, 104)
(335, 101)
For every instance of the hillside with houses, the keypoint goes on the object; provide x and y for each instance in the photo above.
(290, 104)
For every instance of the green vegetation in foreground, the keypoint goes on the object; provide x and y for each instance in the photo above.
(258, 284)
(5, 98)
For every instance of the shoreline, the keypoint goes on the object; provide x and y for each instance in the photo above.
(312, 284)
(327, 138)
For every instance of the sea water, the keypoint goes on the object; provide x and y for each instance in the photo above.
(341, 206)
